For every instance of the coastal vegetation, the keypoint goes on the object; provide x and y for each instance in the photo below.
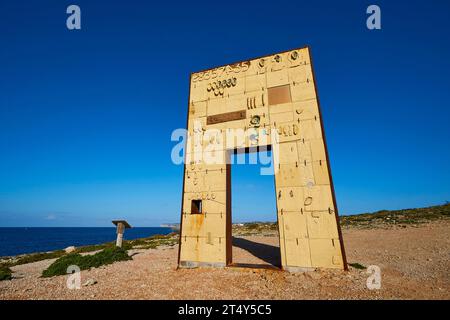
(34, 257)
(154, 242)
(5, 273)
(104, 257)
(255, 228)
(357, 265)
(379, 219)
(108, 253)
(108, 250)
(400, 218)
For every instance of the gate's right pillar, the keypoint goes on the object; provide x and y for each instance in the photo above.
(310, 235)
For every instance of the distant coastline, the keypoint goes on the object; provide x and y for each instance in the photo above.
(173, 226)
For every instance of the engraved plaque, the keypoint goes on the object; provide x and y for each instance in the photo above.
(279, 95)
(224, 117)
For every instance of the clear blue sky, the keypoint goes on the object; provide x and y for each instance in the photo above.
(86, 116)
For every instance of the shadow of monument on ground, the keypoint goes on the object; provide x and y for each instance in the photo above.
(267, 253)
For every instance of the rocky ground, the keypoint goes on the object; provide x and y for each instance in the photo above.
(414, 262)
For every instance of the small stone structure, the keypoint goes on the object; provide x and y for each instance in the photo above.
(121, 226)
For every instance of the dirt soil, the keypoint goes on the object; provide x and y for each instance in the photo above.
(414, 263)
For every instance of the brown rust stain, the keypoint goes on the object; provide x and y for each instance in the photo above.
(197, 223)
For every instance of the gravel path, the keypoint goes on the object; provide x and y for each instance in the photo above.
(414, 261)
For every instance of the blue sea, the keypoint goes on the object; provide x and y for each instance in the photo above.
(15, 241)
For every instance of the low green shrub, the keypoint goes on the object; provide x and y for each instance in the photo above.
(91, 248)
(127, 245)
(252, 225)
(144, 243)
(357, 265)
(5, 273)
(34, 257)
(104, 257)
(59, 267)
(397, 217)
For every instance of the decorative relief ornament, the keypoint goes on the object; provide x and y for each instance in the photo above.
(202, 195)
(288, 130)
(308, 201)
(255, 121)
(221, 71)
(213, 137)
(251, 102)
(254, 138)
(218, 87)
(294, 55)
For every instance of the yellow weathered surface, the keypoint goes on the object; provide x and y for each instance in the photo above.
(260, 97)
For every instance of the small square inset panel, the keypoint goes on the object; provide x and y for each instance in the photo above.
(196, 207)
(279, 95)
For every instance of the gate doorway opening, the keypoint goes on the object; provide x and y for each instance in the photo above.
(253, 212)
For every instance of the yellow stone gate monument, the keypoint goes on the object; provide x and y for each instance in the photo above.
(267, 102)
